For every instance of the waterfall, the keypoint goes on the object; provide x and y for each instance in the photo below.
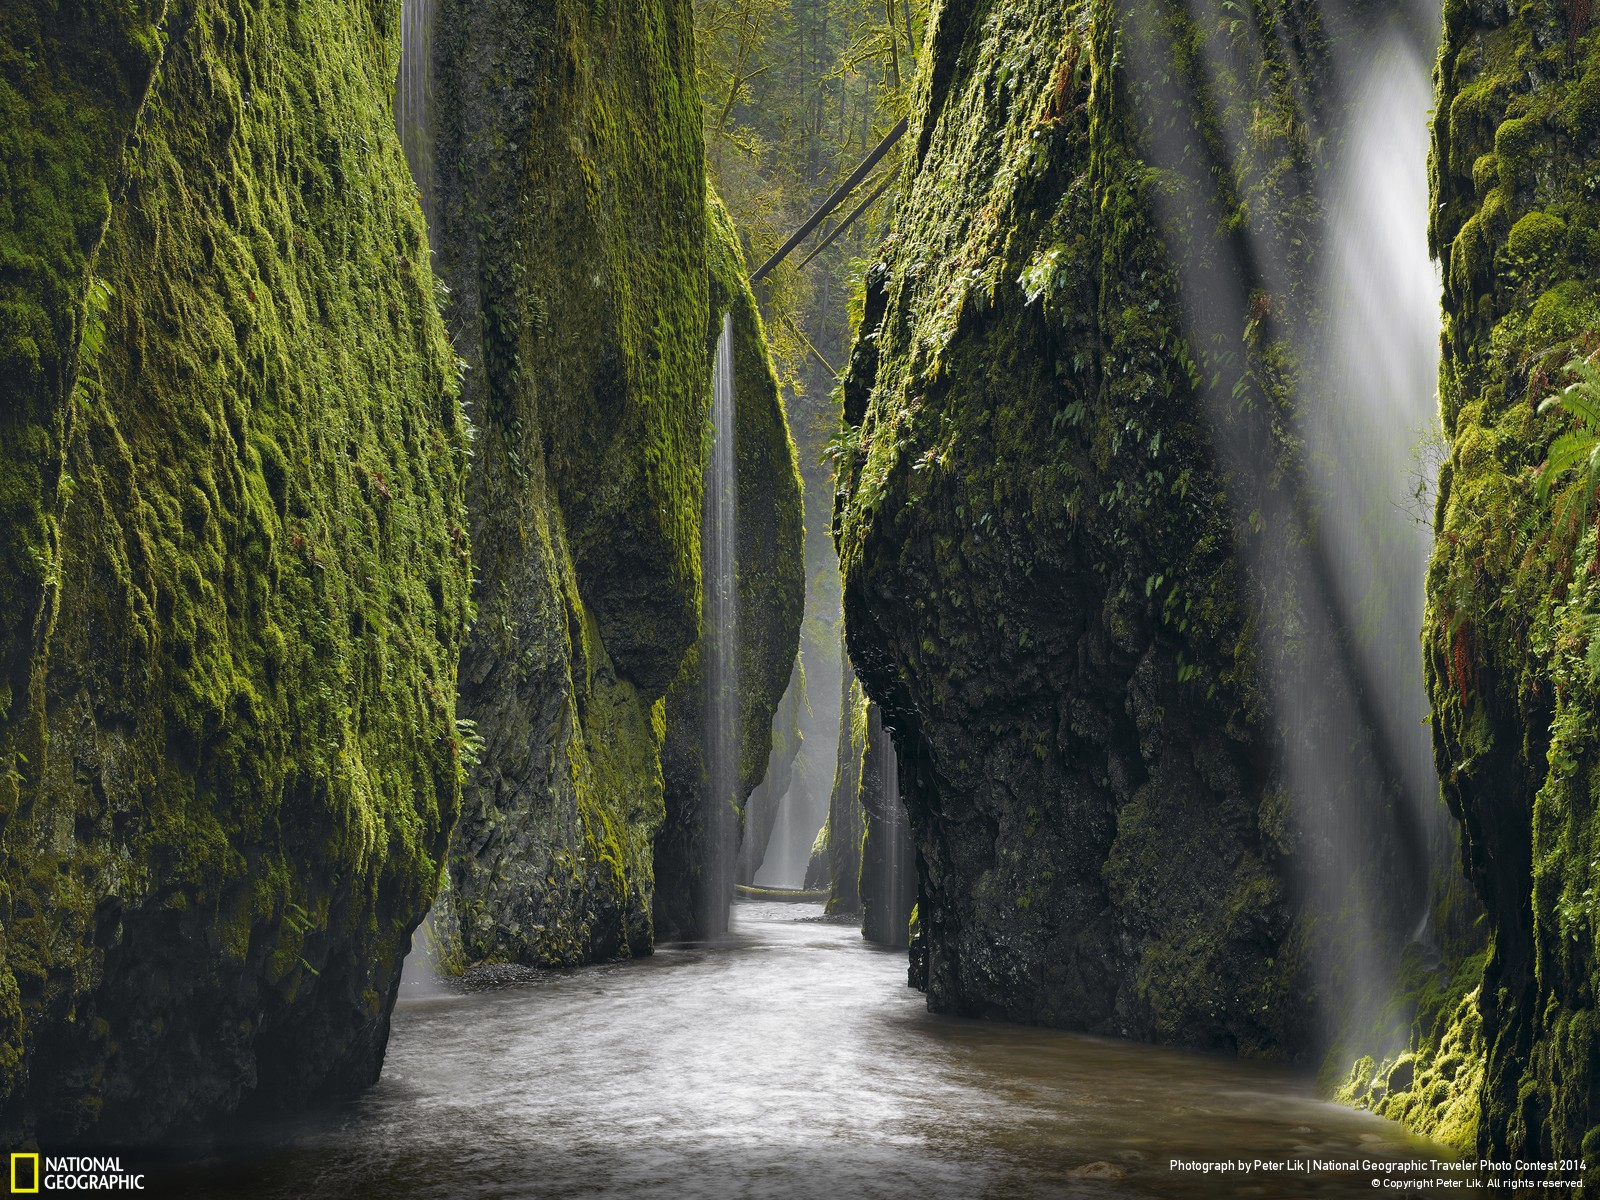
(888, 875)
(800, 816)
(1337, 566)
(425, 962)
(720, 646)
(412, 97)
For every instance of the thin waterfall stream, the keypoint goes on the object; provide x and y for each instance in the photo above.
(412, 98)
(720, 638)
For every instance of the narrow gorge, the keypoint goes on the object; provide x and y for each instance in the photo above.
(556, 555)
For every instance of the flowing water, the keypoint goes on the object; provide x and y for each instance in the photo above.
(720, 625)
(889, 867)
(788, 1060)
(1378, 438)
(413, 95)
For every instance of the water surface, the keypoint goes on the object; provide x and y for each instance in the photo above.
(788, 1061)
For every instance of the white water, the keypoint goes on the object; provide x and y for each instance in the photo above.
(720, 626)
(1376, 437)
(413, 97)
(801, 812)
(888, 877)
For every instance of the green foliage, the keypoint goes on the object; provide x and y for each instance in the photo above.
(96, 304)
(1510, 630)
(795, 93)
(1434, 1085)
(1580, 448)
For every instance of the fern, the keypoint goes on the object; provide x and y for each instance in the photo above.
(96, 306)
(1580, 447)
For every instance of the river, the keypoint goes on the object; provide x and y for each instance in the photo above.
(789, 1060)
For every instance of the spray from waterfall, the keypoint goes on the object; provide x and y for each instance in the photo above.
(1335, 552)
(720, 647)
(1374, 437)
(429, 959)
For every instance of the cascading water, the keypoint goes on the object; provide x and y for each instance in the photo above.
(800, 817)
(412, 97)
(413, 82)
(720, 647)
(1334, 550)
(888, 875)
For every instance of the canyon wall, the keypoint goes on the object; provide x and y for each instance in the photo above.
(236, 564)
(571, 229)
(1151, 786)
(1043, 588)
(1513, 622)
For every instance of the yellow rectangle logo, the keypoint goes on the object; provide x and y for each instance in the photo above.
(32, 1163)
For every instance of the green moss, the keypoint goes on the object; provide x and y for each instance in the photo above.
(1512, 601)
(70, 90)
(572, 232)
(251, 767)
(1435, 1086)
(1536, 238)
(1043, 580)
(771, 587)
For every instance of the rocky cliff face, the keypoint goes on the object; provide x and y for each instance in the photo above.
(1512, 625)
(761, 810)
(888, 883)
(571, 229)
(1042, 586)
(233, 472)
(1082, 570)
(771, 599)
(846, 823)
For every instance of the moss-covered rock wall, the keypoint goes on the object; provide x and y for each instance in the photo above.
(1514, 602)
(1043, 587)
(240, 765)
(771, 600)
(571, 229)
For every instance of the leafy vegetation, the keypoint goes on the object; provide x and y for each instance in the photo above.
(1578, 449)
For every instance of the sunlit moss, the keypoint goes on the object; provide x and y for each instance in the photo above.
(1513, 597)
(259, 568)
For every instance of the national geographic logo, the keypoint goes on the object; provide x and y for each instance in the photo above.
(31, 1174)
(24, 1173)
